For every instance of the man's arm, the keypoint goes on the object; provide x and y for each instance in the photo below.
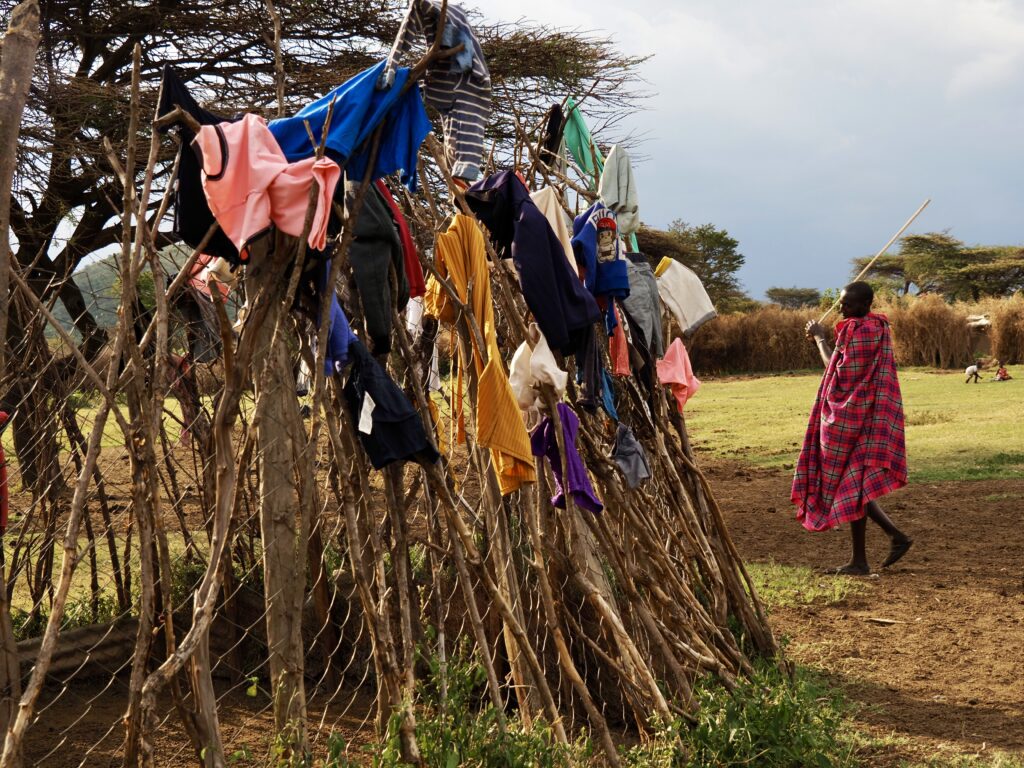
(817, 333)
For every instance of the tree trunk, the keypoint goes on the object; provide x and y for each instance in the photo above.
(284, 548)
(18, 58)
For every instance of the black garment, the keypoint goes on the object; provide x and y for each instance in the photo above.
(563, 307)
(397, 432)
(552, 135)
(192, 215)
(375, 250)
(202, 328)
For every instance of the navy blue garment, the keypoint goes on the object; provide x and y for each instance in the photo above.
(397, 432)
(358, 109)
(562, 306)
(603, 277)
(339, 334)
(192, 215)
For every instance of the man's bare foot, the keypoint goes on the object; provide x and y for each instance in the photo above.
(898, 550)
(850, 569)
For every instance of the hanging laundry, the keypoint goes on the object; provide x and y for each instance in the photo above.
(410, 253)
(192, 215)
(415, 327)
(359, 107)
(684, 295)
(545, 443)
(630, 456)
(618, 347)
(199, 276)
(598, 252)
(552, 149)
(250, 184)
(547, 202)
(584, 150)
(530, 369)
(643, 305)
(376, 250)
(389, 428)
(459, 87)
(581, 144)
(675, 370)
(618, 191)
(596, 384)
(195, 312)
(460, 259)
(561, 305)
(312, 288)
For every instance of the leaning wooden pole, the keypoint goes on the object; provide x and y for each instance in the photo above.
(16, 64)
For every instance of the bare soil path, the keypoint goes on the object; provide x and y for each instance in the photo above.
(947, 678)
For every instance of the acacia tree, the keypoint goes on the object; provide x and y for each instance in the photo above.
(794, 298)
(63, 206)
(936, 262)
(712, 253)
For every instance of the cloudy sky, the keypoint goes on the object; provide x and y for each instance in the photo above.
(812, 129)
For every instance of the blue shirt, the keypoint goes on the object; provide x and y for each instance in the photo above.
(359, 107)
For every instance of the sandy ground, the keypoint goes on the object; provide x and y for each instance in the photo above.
(948, 676)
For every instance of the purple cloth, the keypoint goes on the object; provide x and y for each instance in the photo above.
(544, 443)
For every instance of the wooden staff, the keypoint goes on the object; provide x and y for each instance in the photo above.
(878, 255)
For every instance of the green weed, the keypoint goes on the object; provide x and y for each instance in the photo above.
(769, 721)
(790, 586)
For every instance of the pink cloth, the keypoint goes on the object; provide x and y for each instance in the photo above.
(618, 347)
(249, 183)
(675, 370)
(199, 278)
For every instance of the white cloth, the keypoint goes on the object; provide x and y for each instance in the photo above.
(683, 294)
(971, 370)
(414, 327)
(546, 200)
(530, 368)
(618, 191)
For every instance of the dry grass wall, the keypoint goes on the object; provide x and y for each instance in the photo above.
(927, 331)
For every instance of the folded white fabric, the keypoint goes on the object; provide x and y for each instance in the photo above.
(683, 294)
(532, 367)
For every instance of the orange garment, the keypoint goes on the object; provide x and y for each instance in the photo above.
(675, 370)
(618, 347)
(460, 258)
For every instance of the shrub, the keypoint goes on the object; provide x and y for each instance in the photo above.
(930, 332)
(768, 721)
(1008, 330)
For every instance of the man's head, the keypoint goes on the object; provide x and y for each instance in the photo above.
(855, 300)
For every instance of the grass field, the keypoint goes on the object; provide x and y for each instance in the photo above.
(955, 431)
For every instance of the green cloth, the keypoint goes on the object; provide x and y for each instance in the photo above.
(579, 142)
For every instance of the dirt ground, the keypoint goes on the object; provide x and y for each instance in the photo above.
(948, 677)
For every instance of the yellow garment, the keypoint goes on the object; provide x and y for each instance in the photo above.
(460, 257)
(662, 266)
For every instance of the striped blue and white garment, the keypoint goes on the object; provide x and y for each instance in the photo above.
(459, 88)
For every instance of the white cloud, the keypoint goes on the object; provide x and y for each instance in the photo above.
(810, 130)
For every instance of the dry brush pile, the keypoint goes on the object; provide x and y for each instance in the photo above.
(255, 583)
(927, 331)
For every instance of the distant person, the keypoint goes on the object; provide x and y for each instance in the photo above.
(854, 450)
(972, 372)
(1001, 373)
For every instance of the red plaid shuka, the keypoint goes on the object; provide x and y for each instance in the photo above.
(854, 450)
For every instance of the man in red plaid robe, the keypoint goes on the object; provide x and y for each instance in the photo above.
(854, 451)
